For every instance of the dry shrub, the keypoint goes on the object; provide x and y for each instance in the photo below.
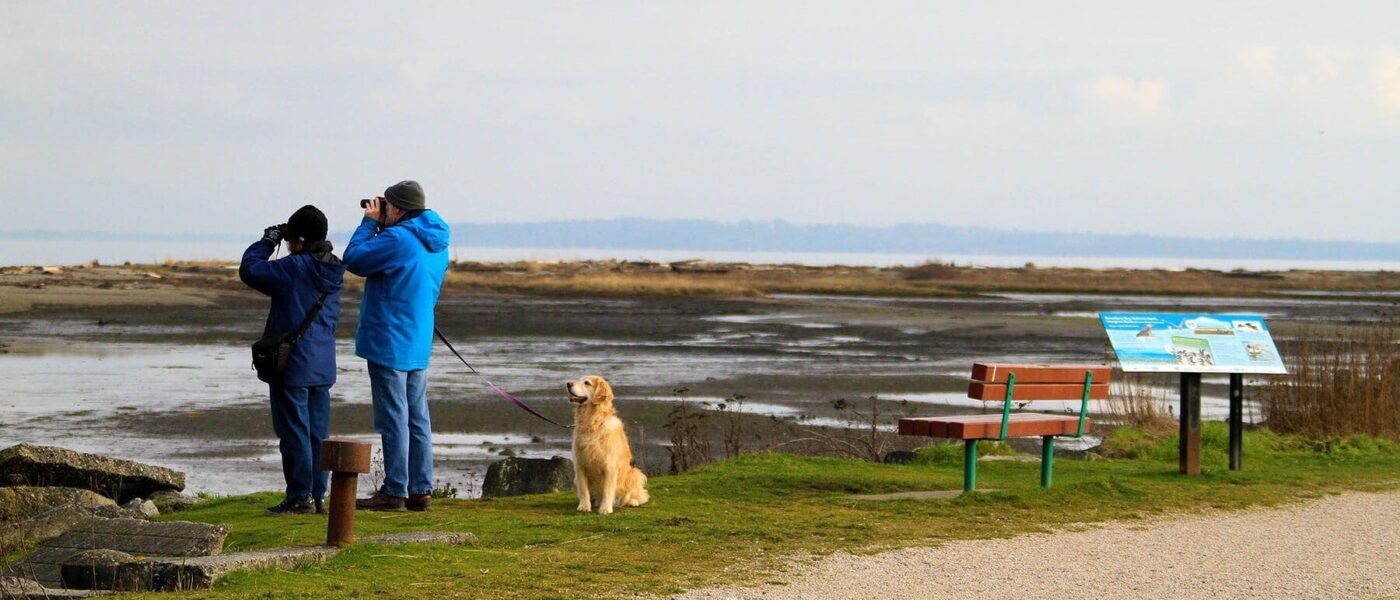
(1135, 402)
(703, 434)
(1340, 382)
(690, 438)
(600, 284)
(931, 270)
(866, 442)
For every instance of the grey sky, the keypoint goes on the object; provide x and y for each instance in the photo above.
(1270, 119)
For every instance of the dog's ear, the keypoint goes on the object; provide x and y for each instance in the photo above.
(602, 391)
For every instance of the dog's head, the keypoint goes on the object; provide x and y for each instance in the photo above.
(590, 390)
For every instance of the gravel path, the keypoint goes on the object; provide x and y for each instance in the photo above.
(1344, 546)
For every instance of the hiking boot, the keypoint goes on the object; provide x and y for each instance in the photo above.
(419, 502)
(301, 506)
(381, 501)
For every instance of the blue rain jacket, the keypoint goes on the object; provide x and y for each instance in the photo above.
(403, 266)
(295, 282)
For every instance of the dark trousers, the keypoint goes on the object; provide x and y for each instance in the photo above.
(301, 417)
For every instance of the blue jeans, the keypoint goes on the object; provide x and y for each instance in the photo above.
(301, 417)
(401, 418)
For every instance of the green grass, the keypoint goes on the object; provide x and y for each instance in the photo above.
(740, 520)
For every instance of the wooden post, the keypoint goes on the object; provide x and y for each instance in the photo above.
(1190, 423)
(1236, 421)
(345, 460)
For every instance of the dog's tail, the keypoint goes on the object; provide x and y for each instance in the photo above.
(635, 488)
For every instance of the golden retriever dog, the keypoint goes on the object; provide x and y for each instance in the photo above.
(602, 458)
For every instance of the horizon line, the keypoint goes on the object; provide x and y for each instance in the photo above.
(214, 236)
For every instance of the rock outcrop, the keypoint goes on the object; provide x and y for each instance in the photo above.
(519, 476)
(99, 569)
(173, 539)
(21, 502)
(120, 480)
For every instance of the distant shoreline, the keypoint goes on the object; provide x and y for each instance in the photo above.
(912, 243)
(77, 252)
(195, 280)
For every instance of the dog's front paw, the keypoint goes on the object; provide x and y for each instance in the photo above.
(605, 509)
(584, 507)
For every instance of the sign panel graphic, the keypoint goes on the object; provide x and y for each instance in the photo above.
(1192, 343)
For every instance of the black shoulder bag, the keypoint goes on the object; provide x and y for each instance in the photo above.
(270, 354)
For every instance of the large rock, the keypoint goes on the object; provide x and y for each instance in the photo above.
(19, 587)
(132, 536)
(520, 476)
(40, 528)
(120, 480)
(202, 572)
(99, 569)
(899, 457)
(24, 588)
(21, 502)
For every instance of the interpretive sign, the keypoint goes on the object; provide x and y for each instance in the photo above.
(1192, 343)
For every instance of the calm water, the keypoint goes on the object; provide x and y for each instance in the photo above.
(40, 252)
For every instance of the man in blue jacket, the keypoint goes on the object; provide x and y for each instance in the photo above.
(400, 249)
(301, 395)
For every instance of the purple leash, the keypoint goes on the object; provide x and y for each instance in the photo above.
(496, 388)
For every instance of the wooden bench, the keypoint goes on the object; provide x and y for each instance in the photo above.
(1010, 383)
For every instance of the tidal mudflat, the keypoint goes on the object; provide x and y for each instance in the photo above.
(155, 368)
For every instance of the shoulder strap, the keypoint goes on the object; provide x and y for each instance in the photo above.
(310, 316)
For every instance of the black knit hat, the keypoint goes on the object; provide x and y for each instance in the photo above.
(406, 195)
(307, 224)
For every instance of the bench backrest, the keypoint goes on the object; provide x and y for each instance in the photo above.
(1037, 382)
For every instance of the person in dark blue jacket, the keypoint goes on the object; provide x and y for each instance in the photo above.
(400, 249)
(301, 395)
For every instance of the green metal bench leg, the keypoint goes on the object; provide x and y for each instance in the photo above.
(969, 465)
(1047, 460)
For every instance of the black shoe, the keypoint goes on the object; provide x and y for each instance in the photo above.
(320, 506)
(302, 506)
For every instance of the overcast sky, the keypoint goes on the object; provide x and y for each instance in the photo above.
(1276, 119)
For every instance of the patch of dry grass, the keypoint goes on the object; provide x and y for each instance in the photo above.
(599, 284)
(1134, 401)
(621, 278)
(569, 279)
(929, 279)
(1340, 382)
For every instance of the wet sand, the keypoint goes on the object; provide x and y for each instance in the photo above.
(156, 368)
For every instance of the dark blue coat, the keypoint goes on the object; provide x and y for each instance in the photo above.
(294, 283)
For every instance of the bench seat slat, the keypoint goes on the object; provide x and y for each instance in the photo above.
(978, 390)
(998, 373)
(981, 427)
